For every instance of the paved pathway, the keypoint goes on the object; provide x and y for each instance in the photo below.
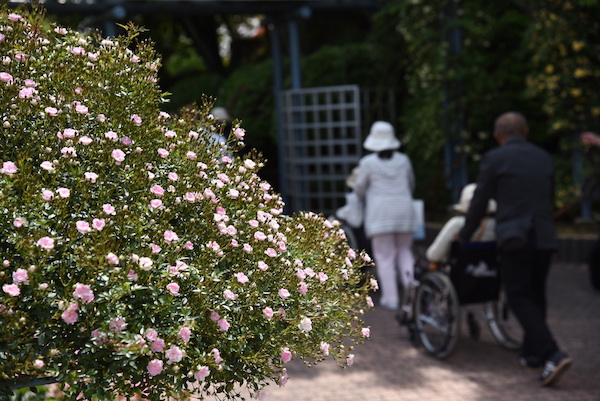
(389, 368)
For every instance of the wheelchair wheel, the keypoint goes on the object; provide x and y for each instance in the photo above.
(503, 324)
(437, 315)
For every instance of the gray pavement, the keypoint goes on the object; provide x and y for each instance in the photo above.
(388, 368)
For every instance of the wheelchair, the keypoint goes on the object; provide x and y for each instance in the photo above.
(432, 306)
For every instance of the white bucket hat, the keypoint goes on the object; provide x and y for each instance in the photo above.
(381, 137)
(465, 200)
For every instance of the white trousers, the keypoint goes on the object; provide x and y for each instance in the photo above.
(393, 257)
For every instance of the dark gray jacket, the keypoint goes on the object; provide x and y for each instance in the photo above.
(520, 177)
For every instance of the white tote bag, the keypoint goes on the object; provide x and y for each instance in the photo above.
(352, 212)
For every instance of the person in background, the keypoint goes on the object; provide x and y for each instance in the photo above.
(385, 184)
(439, 249)
(520, 177)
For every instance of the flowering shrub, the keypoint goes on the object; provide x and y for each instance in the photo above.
(139, 256)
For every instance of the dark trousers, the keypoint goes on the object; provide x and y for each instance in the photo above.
(524, 273)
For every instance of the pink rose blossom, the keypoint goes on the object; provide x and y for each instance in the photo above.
(260, 236)
(26, 93)
(9, 168)
(126, 141)
(185, 334)
(77, 50)
(85, 140)
(366, 332)
(81, 109)
(151, 335)
(214, 316)
(170, 134)
(229, 295)
(217, 355)
(112, 258)
(48, 166)
(155, 248)
(173, 176)
(68, 151)
(268, 312)
(350, 360)
(155, 367)
(247, 248)
(188, 245)
(20, 276)
(145, 263)
(137, 120)
(101, 118)
(202, 373)
(323, 277)
(174, 354)
(70, 315)
(171, 236)
(173, 288)
(19, 222)
(283, 379)
(303, 288)
(92, 177)
(262, 265)
(47, 194)
(132, 275)
(11, 289)
(271, 252)
(83, 292)
(164, 153)
(6, 77)
(46, 243)
(223, 324)
(286, 355)
(241, 277)
(191, 155)
(111, 135)
(98, 224)
(51, 111)
(283, 293)
(69, 133)
(63, 192)
(239, 133)
(83, 226)
(305, 325)
(157, 190)
(325, 348)
(155, 204)
(118, 155)
(108, 209)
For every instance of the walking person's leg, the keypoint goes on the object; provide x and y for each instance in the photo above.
(405, 259)
(384, 253)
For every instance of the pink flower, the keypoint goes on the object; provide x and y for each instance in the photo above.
(51, 111)
(118, 155)
(157, 190)
(155, 203)
(83, 292)
(155, 367)
(350, 360)
(171, 236)
(6, 77)
(46, 243)
(19, 222)
(98, 224)
(223, 324)
(145, 263)
(191, 155)
(214, 316)
(111, 135)
(47, 194)
(164, 153)
(48, 166)
(26, 93)
(132, 275)
(239, 133)
(325, 348)
(137, 120)
(188, 245)
(173, 176)
(9, 168)
(286, 355)
(247, 248)
(173, 288)
(229, 295)
(322, 277)
(174, 354)
(271, 252)
(305, 325)
(151, 335)
(101, 118)
(15, 17)
(262, 265)
(366, 332)
(11, 289)
(216, 355)
(158, 345)
(81, 109)
(77, 50)
(303, 288)
(20, 276)
(283, 293)
(112, 258)
(108, 209)
(268, 312)
(155, 248)
(202, 373)
(260, 236)
(85, 140)
(241, 277)
(185, 333)
(91, 177)
(63, 192)
(69, 133)
(83, 226)
(70, 315)
(126, 141)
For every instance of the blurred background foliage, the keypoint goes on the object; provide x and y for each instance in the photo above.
(453, 66)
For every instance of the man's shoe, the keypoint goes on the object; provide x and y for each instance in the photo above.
(530, 363)
(554, 368)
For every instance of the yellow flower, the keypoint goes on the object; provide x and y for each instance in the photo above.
(577, 45)
(580, 73)
(575, 92)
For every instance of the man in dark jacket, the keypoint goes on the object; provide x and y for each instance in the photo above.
(520, 177)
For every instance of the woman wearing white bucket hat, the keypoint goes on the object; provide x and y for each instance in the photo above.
(440, 247)
(385, 183)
